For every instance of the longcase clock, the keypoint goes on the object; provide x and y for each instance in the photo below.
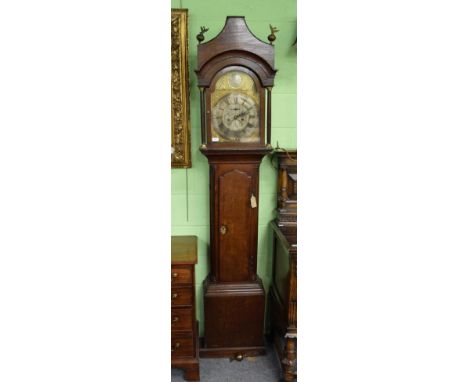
(235, 77)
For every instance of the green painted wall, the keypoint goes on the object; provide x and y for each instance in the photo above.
(190, 198)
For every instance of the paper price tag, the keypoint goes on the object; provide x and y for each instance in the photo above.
(253, 201)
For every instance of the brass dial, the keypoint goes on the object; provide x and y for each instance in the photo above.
(235, 117)
(235, 109)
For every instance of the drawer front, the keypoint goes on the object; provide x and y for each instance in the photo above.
(181, 319)
(181, 275)
(182, 347)
(181, 296)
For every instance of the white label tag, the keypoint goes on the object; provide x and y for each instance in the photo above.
(253, 201)
(215, 139)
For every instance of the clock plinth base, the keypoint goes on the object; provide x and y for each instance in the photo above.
(234, 316)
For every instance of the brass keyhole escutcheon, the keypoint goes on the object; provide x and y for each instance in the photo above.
(174, 296)
(175, 319)
(223, 230)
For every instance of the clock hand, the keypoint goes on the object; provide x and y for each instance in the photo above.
(242, 113)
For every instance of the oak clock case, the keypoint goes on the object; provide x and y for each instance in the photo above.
(235, 73)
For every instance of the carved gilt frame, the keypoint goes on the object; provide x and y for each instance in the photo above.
(180, 101)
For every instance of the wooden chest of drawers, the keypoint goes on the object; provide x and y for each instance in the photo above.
(184, 327)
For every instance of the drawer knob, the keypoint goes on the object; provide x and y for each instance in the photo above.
(174, 275)
(223, 230)
(174, 296)
(177, 345)
(175, 319)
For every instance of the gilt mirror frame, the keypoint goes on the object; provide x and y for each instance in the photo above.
(180, 102)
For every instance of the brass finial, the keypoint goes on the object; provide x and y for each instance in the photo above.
(272, 36)
(200, 36)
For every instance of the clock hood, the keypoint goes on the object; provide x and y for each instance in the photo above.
(236, 45)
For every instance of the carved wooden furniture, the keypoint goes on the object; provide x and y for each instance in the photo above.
(180, 105)
(184, 327)
(283, 297)
(235, 76)
(286, 216)
(283, 290)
